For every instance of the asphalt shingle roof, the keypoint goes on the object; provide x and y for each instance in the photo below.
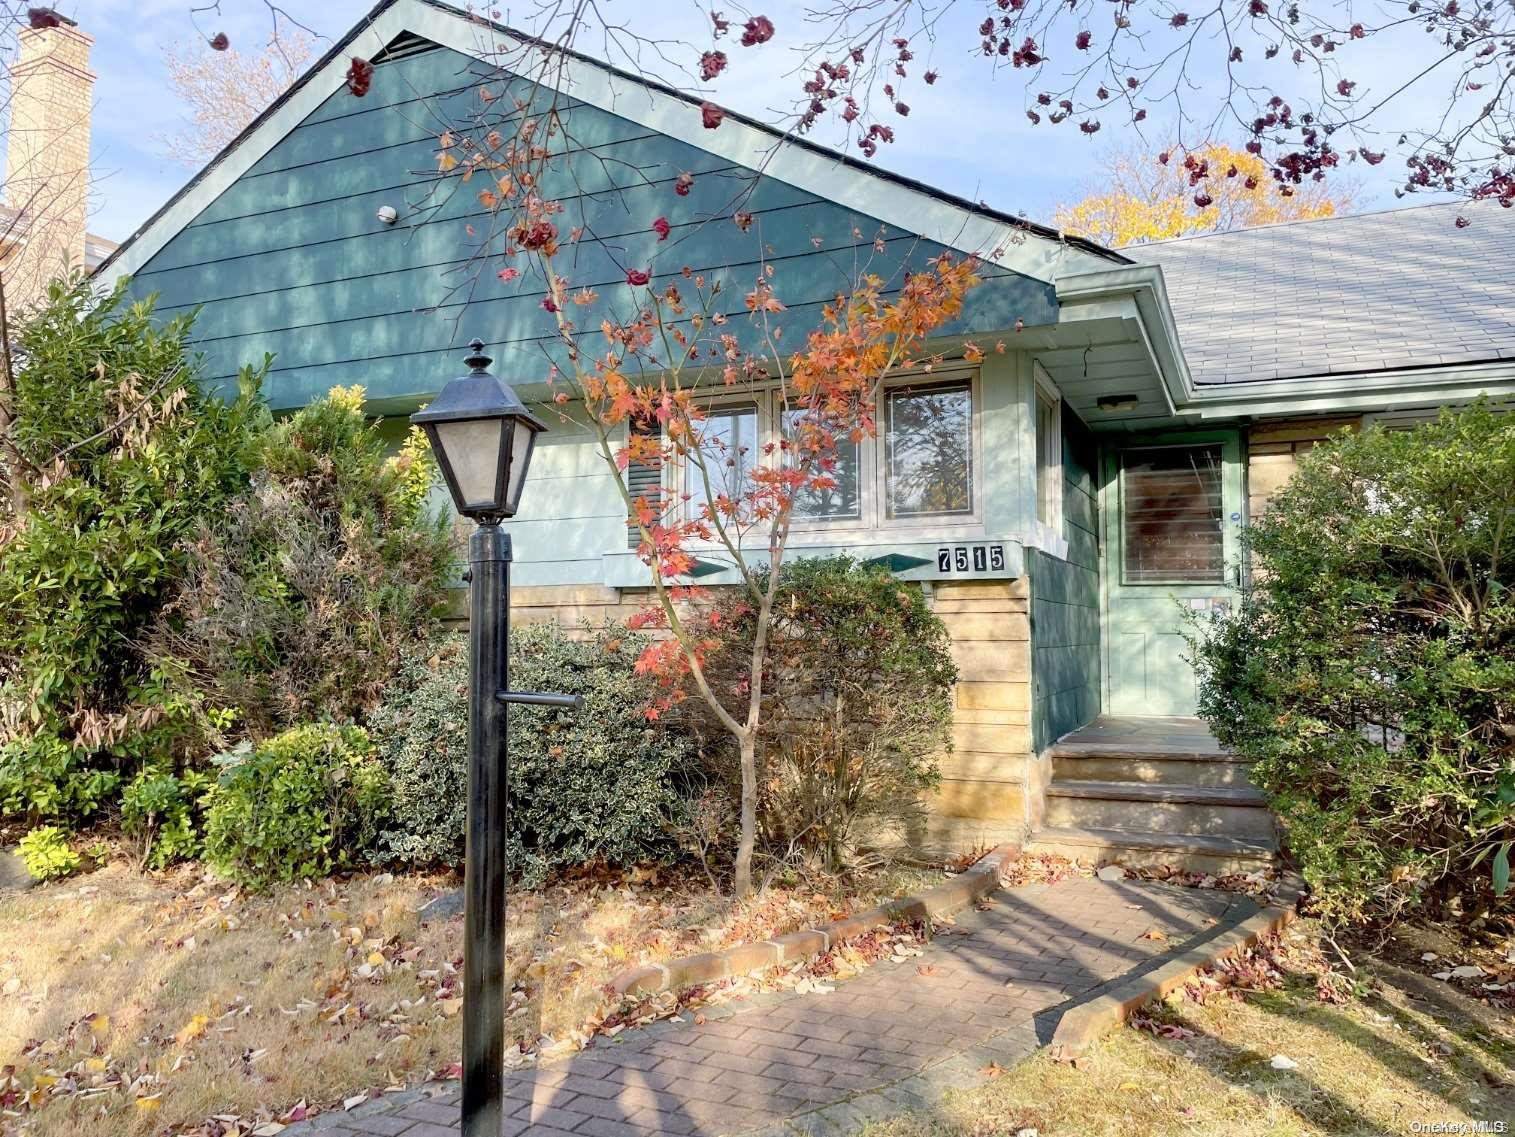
(1379, 291)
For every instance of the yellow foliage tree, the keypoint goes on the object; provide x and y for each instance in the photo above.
(1144, 197)
(221, 91)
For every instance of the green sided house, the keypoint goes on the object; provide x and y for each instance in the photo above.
(1063, 504)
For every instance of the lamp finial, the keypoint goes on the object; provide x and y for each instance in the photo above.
(477, 361)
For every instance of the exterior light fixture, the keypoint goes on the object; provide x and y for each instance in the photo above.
(482, 435)
(388, 214)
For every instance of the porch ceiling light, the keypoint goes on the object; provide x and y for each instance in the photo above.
(482, 435)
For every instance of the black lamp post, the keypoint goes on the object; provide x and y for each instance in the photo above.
(482, 435)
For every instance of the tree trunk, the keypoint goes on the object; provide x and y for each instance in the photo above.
(743, 884)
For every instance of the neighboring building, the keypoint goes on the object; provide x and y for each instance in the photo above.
(1100, 467)
(46, 193)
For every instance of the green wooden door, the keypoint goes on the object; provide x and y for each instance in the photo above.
(1174, 505)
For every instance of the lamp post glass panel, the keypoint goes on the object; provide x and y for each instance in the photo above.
(482, 436)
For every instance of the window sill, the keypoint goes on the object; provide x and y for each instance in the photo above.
(626, 570)
(1043, 537)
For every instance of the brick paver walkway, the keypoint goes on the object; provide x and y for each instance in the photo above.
(891, 1039)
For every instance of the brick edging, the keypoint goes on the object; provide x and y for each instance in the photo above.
(979, 880)
(1080, 1026)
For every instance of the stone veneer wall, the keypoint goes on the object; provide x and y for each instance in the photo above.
(1273, 450)
(982, 798)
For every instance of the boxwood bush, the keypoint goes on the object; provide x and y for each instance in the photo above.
(1371, 670)
(603, 783)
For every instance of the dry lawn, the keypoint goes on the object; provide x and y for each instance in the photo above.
(1398, 1048)
(134, 1004)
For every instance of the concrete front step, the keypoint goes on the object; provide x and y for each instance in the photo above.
(1198, 750)
(1195, 853)
(1160, 769)
(1145, 808)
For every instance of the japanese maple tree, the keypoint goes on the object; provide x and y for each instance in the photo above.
(1300, 87)
(640, 385)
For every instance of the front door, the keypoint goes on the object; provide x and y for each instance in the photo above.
(1173, 510)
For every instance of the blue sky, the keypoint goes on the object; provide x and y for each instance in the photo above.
(967, 134)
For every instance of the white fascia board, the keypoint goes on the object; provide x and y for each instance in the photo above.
(232, 164)
(903, 206)
(1159, 331)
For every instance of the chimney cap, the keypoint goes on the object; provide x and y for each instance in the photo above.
(68, 21)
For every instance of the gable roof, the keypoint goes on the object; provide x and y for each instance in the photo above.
(1395, 291)
(1008, 241)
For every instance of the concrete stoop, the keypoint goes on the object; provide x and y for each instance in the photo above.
(1145, 798)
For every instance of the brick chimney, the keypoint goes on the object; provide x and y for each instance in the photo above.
(42, 225)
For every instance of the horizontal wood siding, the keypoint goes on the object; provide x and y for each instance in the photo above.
(291, 259)
(983, 793)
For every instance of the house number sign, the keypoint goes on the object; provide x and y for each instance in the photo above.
(952, 559)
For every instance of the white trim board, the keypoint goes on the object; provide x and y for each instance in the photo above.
(914, 210)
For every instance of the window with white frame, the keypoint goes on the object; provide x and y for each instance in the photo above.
(920, 471)
(730, 445)
(1049, 457)
(928, 445)
(841, 501)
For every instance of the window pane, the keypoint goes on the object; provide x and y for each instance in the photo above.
(729, 443)
(1048, 454)
(929, 438)
(1171, 515)
(841, 501)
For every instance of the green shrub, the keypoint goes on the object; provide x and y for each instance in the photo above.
(42, 775)
(46, 854)
(420, 731)
(857, 706)
(1370, 673)
(601, 783)
(303, 594)
(117, 454)
(306, 802)
(161, 812)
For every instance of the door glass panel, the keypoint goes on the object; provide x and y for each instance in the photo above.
(1171, 511)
